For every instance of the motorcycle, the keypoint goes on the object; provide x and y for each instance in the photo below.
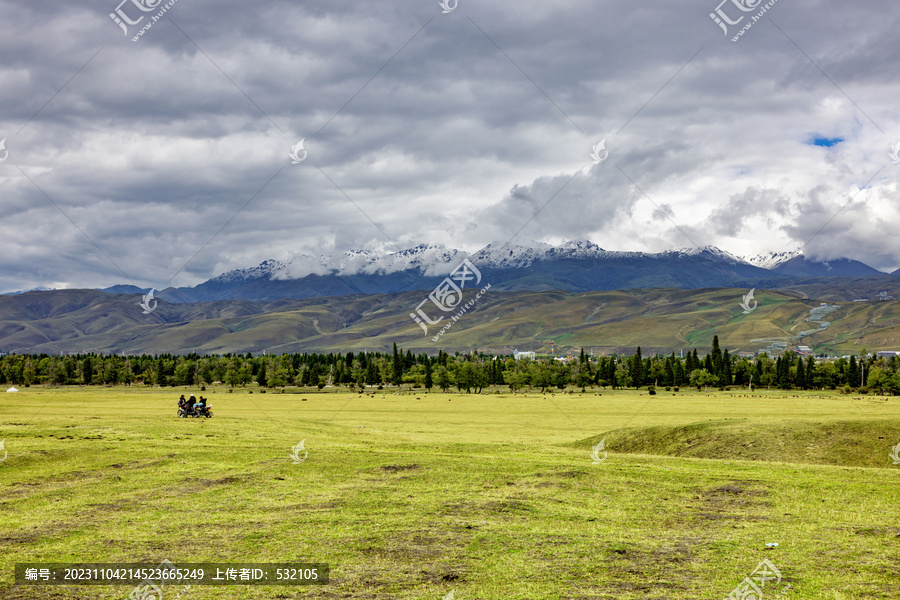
(196, 410)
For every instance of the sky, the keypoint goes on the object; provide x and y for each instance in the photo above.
(165, 158)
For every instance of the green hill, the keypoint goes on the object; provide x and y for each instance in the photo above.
(658, 320)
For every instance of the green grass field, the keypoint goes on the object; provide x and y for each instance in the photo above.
(490, 496)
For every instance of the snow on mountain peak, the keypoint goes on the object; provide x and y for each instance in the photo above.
(711, 250)
(438, 260)
(770, 260)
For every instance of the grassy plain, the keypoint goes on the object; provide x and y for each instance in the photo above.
(492, 496)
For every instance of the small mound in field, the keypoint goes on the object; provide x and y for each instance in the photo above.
(841, 443)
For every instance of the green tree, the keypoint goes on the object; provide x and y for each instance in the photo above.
(398, 367)
(87, 370)
(429, 383)
(636, 369)
(261, 375)
(702, 378)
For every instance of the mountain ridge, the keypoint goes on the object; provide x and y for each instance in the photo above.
(572, 266)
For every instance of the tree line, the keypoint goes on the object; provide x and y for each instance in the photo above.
(469, 372)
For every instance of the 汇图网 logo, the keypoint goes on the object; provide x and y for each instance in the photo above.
(145, 303)
(596, 450)
(748, 298)
(298, 152)
(599, 152)
(296, 450)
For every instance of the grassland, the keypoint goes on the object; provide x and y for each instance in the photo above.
(492, 496)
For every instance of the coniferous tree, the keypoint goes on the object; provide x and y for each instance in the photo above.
(726, 369)
(716, 358)
(428, 381)
(800, 376)
(637, 368)
(398, 367)
(810, 372)
(678, 370)
(261, 376)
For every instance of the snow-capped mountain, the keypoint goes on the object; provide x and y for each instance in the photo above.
(770, 260)
(572, 266)
(425, 258)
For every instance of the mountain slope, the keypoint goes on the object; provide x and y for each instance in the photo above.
(608, 321)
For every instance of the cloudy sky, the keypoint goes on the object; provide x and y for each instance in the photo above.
(165, 160)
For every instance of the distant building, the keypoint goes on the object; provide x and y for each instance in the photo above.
(520, 355)
(803, 350)
(774, 349)
(887, 353)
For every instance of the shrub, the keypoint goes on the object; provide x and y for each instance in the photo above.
(651, 390)
(863, 390)
(675, 389)
(380, 387)
(321, 385)
(668, 388)
(202, 388)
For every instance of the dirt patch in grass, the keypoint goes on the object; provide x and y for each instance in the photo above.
(398, 468)
(508, 506)
(661, 572)
(735, 500)
(55, 530)
(876, 531)
(413, 558)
